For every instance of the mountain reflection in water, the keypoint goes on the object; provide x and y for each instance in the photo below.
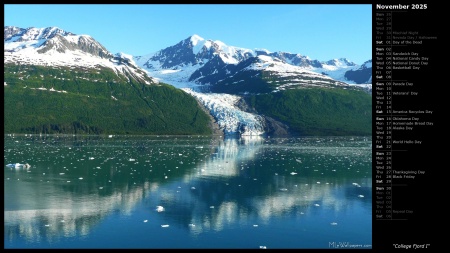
(79, 186)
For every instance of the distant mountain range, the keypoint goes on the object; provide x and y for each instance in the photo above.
(229, 69)
(192, 60)
(60, 82)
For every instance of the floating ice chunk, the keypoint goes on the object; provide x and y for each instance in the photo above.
(318, 182)
(47, 225)
(159, 209)
(263, 247)
(316, 205)
(91, 158)
(333, 223)
(145, 220)
(298, 160)
(283, 189)
(62, 173)
(165, 226)
(192, 188)
(361, 196)
(132, 160)
(80, 178)
(293, 173)
(255, 225)
(211, 207)
(68, 181)
(191, 225)
(18, 165)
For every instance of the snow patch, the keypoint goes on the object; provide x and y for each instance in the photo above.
(198, 43)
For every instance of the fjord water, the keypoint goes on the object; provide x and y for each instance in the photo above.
(104, 192)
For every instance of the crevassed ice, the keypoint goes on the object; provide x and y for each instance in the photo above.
(229, 117)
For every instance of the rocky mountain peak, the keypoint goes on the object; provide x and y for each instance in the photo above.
(16, 34)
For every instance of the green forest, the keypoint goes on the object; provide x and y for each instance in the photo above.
(318, 111)
(50, 100)
(53, 100)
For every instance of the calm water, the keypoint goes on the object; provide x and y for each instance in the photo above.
(101, 192)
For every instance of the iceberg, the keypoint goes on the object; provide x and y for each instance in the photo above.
(18, 165)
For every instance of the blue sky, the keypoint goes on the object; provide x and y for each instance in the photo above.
(320, 31)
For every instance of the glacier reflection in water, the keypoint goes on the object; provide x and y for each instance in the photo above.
(186, 192)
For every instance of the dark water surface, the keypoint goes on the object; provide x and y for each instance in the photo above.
(187, 192)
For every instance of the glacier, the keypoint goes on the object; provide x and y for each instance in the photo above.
(229, 117)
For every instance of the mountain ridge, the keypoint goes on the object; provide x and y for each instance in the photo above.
(56, 47)
(186, 61)
(196, 60)
(133, 94)
(56, 82)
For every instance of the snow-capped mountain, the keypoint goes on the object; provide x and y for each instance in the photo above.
(55, 47)
(222, 68)
(362, 75)
(177, 63)
(21, 34)
(215, 72)
(292, 59)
